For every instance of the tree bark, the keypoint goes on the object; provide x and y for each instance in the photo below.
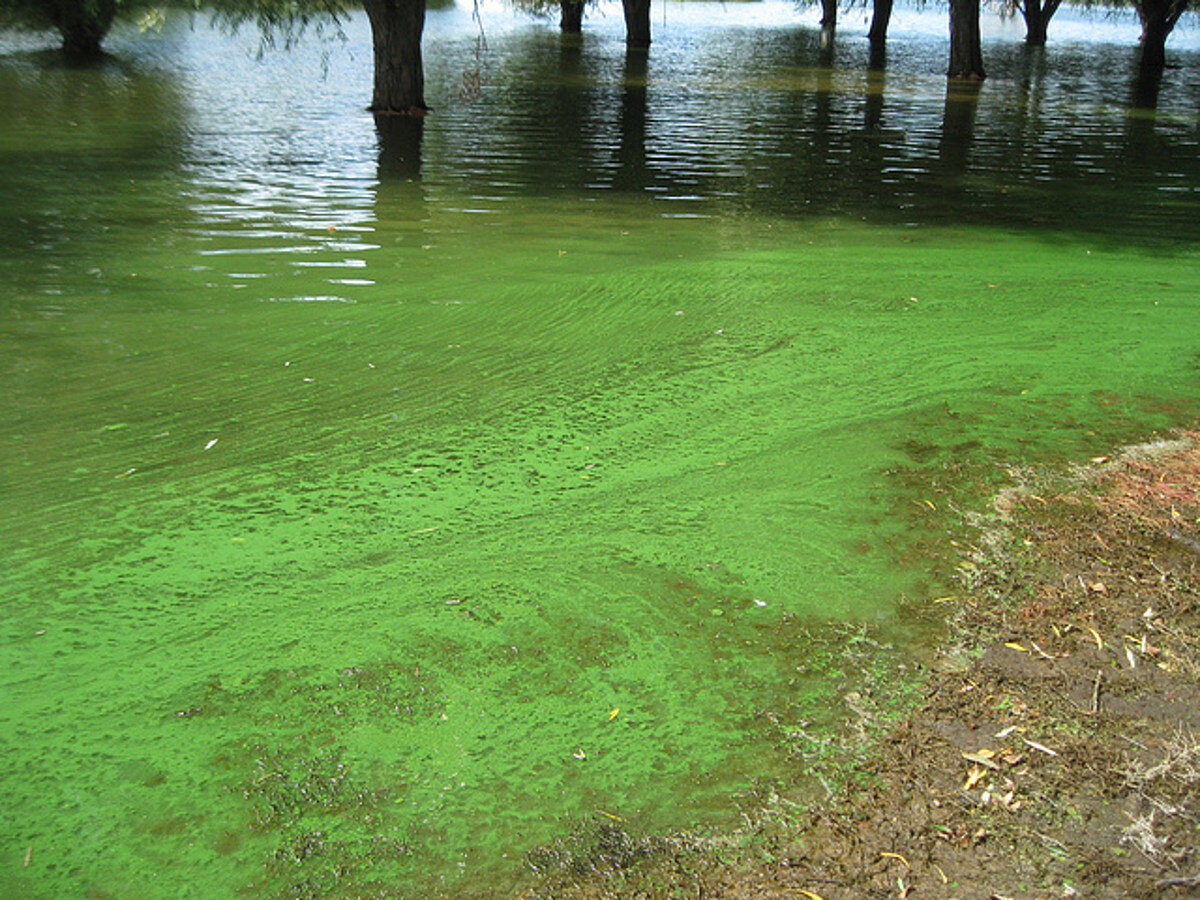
(829, 11)
(637, 23)
(1037, 19)
(1158, 19)
(881, 15)
(82, 26)
(572, 16)
(396, 27)
(966, 51)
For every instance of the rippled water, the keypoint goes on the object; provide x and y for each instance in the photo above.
(380, 505)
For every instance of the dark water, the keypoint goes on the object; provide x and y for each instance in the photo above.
(381, 505)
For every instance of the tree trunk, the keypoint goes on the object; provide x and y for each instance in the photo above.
(1037, 17)
(1158, 18)
(966, 51)
(1154, 46)
(881, 15)
(1146, 87)
(637, 23)
(829, 9)
(1035, 23)
(572, 16)
(396, 27)
(82, 26)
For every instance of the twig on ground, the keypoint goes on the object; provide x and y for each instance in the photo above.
(1180, 881)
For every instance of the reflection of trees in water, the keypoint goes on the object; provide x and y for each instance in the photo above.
(791, 125)
(400, 140)
(87, 139)
(958, 128)
(1025, 153)
(631, 173)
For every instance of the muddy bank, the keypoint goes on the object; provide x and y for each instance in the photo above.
(1055, 751)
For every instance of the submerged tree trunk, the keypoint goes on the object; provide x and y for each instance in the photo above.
(966, 51)
(1037, 17)
(396, 27)
(82, 26)
(1158, 19)
(637, 23)
(572, 16)
(881, 15)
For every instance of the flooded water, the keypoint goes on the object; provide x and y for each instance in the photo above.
(379, 506)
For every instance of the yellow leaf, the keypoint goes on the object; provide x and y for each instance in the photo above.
(896, 856)
(1096, 635)
(616, 712)
(809, 894)
(1013, 646)
(976, 774)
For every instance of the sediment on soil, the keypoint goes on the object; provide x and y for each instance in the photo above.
(1055, 751)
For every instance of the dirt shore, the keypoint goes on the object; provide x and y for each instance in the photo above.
(1056, 749)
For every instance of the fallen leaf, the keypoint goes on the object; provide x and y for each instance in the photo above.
(615, 712)
(889, 855)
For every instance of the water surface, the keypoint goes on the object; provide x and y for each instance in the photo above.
(377, 509)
